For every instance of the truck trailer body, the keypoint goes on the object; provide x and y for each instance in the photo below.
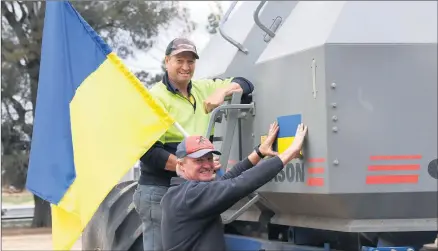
(363, 77)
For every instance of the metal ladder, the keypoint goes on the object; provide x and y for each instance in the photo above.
(234, 111)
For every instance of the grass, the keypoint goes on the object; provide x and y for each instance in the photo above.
(17, 198)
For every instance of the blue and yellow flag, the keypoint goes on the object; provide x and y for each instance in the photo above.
(93, 121)
(286, 133)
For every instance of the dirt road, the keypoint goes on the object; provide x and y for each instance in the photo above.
(14, 239)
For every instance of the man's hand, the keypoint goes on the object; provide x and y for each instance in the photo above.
(293, 151)
(214, 101)
(218, 97)
(266, 147)
(297, 144)
(217, 164)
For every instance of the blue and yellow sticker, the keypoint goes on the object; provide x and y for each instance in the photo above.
(288, 126)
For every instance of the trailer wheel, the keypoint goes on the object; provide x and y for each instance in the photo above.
(115, 225)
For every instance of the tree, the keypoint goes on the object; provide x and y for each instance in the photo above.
(126, 26)
(214, 18)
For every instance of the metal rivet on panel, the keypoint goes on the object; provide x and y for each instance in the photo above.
(334, 118)
(336, 162)
(335, 129)
(333, 85)
(334, 105)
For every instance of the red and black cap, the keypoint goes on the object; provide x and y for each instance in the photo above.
(195, 147)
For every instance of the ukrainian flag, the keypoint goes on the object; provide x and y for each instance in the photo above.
(287, 129)
(93, 121)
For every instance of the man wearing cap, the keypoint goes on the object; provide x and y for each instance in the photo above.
(193, 205)
(189, 102)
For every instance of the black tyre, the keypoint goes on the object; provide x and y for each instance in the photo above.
(115, 225)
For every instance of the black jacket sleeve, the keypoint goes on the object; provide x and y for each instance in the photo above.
(239, 168)
(246, 85)
(215, 197)
(156, 156)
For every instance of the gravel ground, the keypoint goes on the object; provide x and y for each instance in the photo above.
(29, 239)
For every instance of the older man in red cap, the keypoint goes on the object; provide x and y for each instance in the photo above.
(189, 102)
(193, 205)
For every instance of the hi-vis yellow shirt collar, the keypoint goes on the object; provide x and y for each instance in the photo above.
(189, 113)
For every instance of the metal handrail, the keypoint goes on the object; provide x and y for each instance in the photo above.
(225, 107)
(259, 23)
(226, 145)
(225, 36)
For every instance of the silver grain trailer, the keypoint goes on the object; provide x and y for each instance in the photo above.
(363, 77)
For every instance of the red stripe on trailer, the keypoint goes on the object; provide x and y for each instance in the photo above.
(392, 179)
(395, 157)
(315, 182)
(394, 167)
(315, 170)
(316, 160)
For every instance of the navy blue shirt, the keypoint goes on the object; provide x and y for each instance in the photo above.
(192, 209)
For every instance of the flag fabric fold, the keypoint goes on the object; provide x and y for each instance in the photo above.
(93, 121)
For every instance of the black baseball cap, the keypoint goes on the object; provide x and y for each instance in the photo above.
(179, 45)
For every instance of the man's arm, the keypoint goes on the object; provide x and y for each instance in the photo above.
(237, 169)
(229, 85)
(158, 157)
(265, 149)
(209, 198)
(246, 86)
(218, 90)
(214, 197)
(238, 84)
(243, 165)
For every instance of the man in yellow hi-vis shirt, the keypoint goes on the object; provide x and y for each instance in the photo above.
(189, 102)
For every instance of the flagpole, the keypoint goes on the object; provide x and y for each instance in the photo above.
(182, 131)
